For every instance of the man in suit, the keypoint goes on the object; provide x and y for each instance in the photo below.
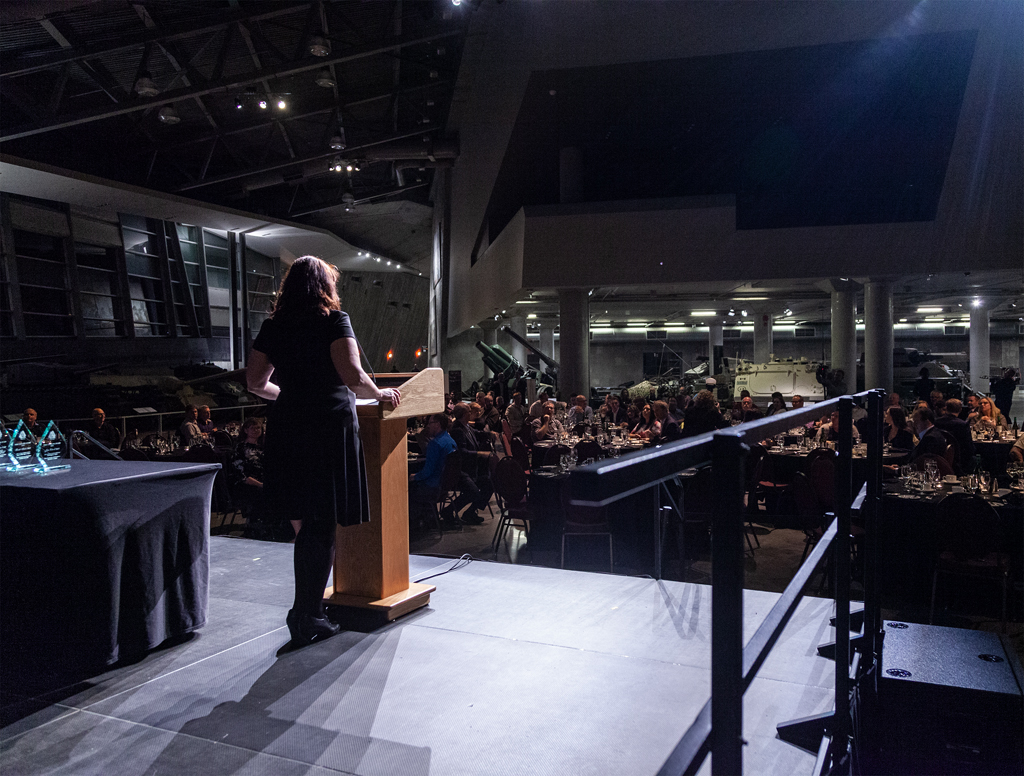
(947, 419)
(930, 439)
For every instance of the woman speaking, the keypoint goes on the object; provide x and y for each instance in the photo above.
(313, 459)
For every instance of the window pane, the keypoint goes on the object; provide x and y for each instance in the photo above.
(41, 246)
(48, 325)
(95, 256)
(41, 273)
(141, 242)
(143, 264)
(44, 300)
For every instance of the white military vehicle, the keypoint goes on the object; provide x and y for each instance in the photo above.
(787, 376)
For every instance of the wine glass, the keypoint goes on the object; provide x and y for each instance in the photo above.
(984, 478)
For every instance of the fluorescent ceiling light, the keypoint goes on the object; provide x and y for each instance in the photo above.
(929, 309)
(532, 315)
(703, 313)
(935, 318)
(750, 298)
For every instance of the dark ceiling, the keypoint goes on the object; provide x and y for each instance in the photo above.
(844, 133)
(74, 91)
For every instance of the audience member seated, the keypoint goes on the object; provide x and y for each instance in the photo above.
(189, 430)
(489, 414)
(747, 411)
(515, 414)
(425, 485)
(542, 398)
(644, 423)
(703, 415)
(778, 404)
(930, 440)
(476, 416)
(674, 410)
(895, 431)
(987, 418)
(546, 426)
(972, 406)
(31, 418)
(1017, 451)
(475, 483)
(665, 428)
(245, 474)
(798, 404)
(829, 432)
(203, 419)
(580, 412)
(613, 410)
(103, 432)
(948, 419)
(894, 400)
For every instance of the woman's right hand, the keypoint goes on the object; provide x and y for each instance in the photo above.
(390, 395)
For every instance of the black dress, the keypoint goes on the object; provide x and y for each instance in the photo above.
(313, 458)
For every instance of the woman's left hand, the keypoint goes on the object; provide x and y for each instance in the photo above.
(391, 395)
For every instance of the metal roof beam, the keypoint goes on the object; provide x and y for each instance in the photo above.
(230, 84)
(33, 64)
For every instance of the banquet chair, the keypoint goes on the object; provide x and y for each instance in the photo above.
(971, 544)
(554, 454)
(952, 452)
(519, 453)
(132, 454)
(814, 455)
(579, 429)
(222, 439)
(449, 487)
(510, 486)
(589, 449)
(943, 465)
(585, 521)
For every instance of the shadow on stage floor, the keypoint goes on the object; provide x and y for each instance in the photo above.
(510, 670)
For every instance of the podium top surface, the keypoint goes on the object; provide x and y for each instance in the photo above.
(422, 394)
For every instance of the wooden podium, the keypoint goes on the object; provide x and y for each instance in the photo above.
(371, 561)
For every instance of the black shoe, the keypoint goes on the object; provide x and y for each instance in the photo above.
(472, 518)
(307, 629)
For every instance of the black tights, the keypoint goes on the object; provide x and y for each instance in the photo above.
(314, 557)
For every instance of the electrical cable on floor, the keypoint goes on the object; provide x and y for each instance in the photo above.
(460, 562)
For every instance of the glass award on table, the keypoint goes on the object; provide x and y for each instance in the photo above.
(20, 449)
(51, 450)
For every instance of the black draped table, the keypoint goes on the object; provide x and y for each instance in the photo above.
(104, 560)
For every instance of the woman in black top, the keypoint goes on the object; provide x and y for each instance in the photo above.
(896, 432)
(313, 459)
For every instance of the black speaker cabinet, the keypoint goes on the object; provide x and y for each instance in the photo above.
(949, 702)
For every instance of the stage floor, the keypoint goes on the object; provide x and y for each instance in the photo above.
(510, 670)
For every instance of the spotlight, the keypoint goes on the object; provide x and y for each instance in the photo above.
(389, 263)
(325, 79)
(168, 115)
(319, 47)
(262, 104)
(456, 2)
(335, 165)
(281, 104)
(732, 313)
(976, 303)
(390, 355)
(349, 168)
(419, 352)
(238, 103)
(337, 144)
(743, 313)
(145, 87)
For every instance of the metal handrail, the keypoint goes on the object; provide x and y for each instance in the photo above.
(734, 666)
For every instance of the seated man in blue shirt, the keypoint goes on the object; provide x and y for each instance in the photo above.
(425, 485)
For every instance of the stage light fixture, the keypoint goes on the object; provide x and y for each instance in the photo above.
(281, 104)
(145, 87)
(976, 303)
(262, 104)
(168, 115)
(337, 144)
(319, 47)
(325, 79)
(238, 103)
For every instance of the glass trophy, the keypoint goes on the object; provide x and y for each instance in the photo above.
(51, 450)
(20, 451)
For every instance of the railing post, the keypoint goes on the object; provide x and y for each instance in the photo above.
(727, 459)
(872, 506)
(844, 498)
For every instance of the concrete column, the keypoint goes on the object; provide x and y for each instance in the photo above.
(844, 336)
(715, 340)
(518, 324)
(547, 341)
(980, 354)
(574, 342)
(762, 337)
(877, 336)
(489, 331)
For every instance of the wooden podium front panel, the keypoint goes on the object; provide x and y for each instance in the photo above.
(372, 559)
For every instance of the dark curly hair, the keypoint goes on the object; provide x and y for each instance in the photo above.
(308, 286)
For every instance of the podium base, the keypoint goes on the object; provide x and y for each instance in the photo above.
(381, 610)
